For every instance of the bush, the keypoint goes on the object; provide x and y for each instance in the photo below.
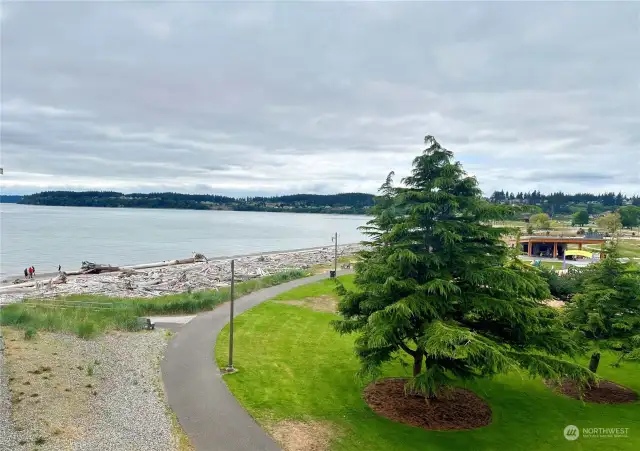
(565, 286)
(30, 333)
(86, 330)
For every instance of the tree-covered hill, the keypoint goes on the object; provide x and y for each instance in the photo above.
(344, 203)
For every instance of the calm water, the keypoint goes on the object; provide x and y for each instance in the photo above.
(48, 236)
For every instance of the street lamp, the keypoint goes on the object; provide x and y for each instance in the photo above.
(230, 368)
(334, 273)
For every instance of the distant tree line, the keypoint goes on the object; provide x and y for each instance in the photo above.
(564, 203)
(343, 203)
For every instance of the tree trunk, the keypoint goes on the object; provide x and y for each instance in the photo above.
(417, 363)
(594, 362)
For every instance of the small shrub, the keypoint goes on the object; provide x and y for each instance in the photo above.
(40, 441)
(90, 370)
(30, 333)
(86, 330)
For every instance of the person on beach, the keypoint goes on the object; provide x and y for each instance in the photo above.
(33, 271)
(59, 268)
(26, 273)
(30, 272)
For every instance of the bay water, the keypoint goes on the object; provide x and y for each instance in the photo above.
(45, 237)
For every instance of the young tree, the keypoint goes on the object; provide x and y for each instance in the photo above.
(437, 284)
(606, 310)
(610, 222)
(580, 218)
(540, 221)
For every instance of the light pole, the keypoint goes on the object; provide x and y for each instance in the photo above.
(230, 367)
(334, 273)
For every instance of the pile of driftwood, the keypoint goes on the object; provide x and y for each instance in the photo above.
(171, 276)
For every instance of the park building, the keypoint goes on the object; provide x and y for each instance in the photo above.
(556, 246)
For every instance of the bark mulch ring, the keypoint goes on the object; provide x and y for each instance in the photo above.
(606, 392)
(458, 409)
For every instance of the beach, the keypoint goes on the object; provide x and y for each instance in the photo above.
(170, 276)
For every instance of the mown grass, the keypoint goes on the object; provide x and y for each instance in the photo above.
(90, 315)
(629, 248)
(303, 370)
(626, 248)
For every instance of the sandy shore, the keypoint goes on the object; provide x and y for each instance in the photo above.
(175, 278)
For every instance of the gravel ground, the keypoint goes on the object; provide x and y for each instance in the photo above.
(102, 394)
(8, 436)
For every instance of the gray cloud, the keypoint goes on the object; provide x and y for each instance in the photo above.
(261, 98)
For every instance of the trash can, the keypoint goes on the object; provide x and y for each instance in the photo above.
(332, 273)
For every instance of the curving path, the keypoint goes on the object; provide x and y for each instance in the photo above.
(206, 410)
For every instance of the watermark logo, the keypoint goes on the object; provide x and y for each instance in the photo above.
(571, 432)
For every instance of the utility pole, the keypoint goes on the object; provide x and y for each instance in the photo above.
(230, 367)
(334, 238)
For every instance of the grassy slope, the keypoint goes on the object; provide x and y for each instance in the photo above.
(87, 315)
(293, 365)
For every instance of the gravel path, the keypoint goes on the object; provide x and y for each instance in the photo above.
(8, 437)
(104, 394)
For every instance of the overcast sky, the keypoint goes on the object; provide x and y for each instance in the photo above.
(266, 98)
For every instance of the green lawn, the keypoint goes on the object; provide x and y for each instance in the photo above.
(292, 365)
(629, 248)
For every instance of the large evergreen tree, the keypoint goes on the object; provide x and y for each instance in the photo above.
(607, 308)
(437, 284)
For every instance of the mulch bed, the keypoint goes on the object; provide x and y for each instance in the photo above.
(606, 392)
(460, 409)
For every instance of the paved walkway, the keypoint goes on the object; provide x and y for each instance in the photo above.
(206, 410)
